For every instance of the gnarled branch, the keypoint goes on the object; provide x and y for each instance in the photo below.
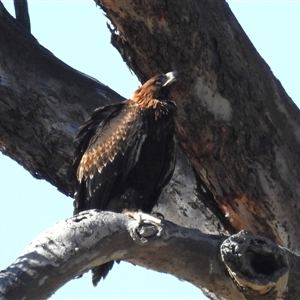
(257, 265)
(71, 247)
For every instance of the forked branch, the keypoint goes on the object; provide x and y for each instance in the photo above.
(22, 14)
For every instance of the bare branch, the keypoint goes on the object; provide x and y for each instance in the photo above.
(256, 264)
(71, 247)
(43, 102)
(22, 14)
(75, 245)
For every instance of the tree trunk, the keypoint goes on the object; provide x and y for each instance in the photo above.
(236, 125)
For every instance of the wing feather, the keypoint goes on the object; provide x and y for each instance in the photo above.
(169, 162)
(106, 155)
(98, 119)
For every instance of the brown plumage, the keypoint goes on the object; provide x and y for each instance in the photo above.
(126, 154)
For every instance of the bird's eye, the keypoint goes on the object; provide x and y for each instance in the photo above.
(158, 82)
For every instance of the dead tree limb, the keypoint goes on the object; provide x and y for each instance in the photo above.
(73, 246)
(43, 102)
(260, 267)
(22, 14)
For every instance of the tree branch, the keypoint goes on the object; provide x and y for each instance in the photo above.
(257, 265)
(22, 14)
(73, 246)
(43, 102)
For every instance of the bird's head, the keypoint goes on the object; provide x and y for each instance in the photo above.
(157, 87)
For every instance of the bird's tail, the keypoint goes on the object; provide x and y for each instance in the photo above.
(101, 272)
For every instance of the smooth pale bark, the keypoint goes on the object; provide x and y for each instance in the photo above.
(73, 246)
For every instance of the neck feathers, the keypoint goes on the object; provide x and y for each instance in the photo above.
(147, 101)
(144, 99)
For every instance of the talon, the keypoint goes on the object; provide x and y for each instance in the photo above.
(129, 213)
(142, 217)
(158, 215)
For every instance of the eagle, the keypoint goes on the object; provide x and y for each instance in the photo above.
(126, 154)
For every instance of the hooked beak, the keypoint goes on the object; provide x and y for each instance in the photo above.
(171, 77)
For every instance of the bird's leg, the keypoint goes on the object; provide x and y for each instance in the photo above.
(142, 217)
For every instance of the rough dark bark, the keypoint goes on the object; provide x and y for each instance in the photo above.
(22, 14)
(42, 104)
(237, 126)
